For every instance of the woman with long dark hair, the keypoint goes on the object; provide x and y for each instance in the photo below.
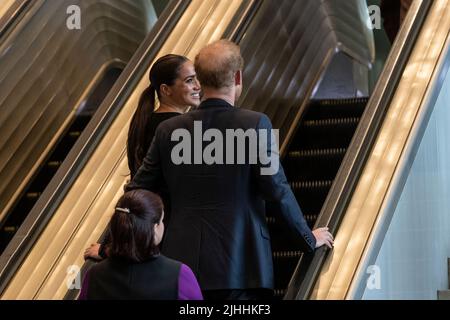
(134, 268)
(173, 81)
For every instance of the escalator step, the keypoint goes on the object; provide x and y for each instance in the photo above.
(310, 218)
(313, 164)
(311, 200)
(10, 229)
(299, 154)
(310, 195)
(279, 293)
(332, 133)
(285, 262)
(298, 185)
(270, 220)
(32, 195)
(54, 164)
(74, 134)
(331, 122)
(287, 254)
(362, 101)
(320, 109)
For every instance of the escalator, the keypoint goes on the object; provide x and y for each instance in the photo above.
(37, 186)
(79, 211)
(363, 195)
(311, 164)
(316, 134)
(77, 208)
(56, 157)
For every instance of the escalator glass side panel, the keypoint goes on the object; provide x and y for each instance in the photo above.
(420, 218)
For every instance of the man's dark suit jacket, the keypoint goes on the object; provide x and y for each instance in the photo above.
(217, 225)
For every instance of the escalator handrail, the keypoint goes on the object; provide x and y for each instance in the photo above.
(301, 284)
(11, 15)
(42, 212)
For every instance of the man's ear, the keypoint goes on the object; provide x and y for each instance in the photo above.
(165, 90)
(238, 78)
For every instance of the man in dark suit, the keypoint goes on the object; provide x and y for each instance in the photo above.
(218, 187)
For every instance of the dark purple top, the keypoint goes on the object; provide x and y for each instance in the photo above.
(188, 288)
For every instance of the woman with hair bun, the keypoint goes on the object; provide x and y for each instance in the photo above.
(135, 269)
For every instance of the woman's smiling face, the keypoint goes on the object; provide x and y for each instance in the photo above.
(186, 89)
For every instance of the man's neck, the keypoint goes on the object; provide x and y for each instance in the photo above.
(228, 95)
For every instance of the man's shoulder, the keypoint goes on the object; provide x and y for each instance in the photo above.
(256, 118)
(239, 116)
(247, 116)
(249, 113)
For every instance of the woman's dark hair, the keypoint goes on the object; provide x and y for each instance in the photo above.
(131, 226)
(164, 71)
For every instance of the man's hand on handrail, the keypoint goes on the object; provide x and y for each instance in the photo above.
(323, 237)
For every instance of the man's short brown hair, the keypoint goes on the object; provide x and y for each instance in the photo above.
(217, 63)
